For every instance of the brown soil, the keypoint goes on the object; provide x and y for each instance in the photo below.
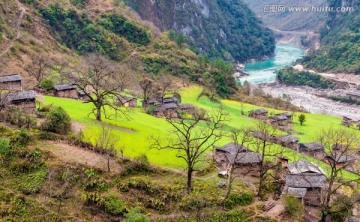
(72, 154)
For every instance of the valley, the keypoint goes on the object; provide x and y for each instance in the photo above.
(129, 110)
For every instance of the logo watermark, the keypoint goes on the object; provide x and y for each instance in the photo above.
(284, 8)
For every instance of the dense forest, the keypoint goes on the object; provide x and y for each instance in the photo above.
(340, 40)
(222, 28)
(289, 76)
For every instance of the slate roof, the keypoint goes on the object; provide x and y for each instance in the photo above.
(64, 87)
(259, 111)
(20, 96)
(288, 139)
(306, 180)
(171, 100)
(312, 147)
(304, 166)
(10, 78)
(341, 158)
(232, 148)
(297, 192)
(244, 158)
(166, 107)
(186, 106)
(279, 118)
(126, 99)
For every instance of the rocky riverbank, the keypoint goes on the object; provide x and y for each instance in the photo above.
(309, 99)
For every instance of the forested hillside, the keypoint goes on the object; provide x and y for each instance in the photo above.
(59, 32)
(340, 40)
(226, 28)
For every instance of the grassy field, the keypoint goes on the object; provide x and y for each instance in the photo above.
(134, 133)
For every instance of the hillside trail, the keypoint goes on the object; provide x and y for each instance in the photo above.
(73, 154)
(18, 28)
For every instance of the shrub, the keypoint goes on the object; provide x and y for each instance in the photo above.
(4, 147)
(114, 205)
(342, 208)
(243, 199)
(33, 182)
(139, 165)
(46, 84)
(135, 215)
(293, 206)
(57, 121)
(23, 138)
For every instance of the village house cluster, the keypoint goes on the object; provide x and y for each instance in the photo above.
(282, 121)
(12, 93)
(301, 179)
(168, 107)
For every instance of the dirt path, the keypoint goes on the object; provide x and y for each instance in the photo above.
(18, 29)
(73, 154)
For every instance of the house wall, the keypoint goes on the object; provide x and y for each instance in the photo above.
(73, 94)
(26, 106)
(11, 86)
(132, 104)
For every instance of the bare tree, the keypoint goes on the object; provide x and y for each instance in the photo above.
(102, 83)
(61, 67)
(191, 141)
(149, 88)
(38, 68)
(239, 137)
(264, 145)
(165, 84)
(340, 144)
(107, 141)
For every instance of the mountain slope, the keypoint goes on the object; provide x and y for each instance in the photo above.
(67, 30)
(289, 21)
(225, 28)
(340, 42)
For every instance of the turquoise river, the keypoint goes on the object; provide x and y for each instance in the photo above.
(264, 71)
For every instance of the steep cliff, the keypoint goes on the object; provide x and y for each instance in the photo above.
(340, 40)
(225, 28)
(287, 20)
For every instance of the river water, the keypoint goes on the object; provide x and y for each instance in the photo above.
(264, 71)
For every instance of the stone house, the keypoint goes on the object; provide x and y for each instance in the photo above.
(312, 149)
(288, 141)
(281, 120)
(11, 82)
(305, 180)
(130, 102)
(259, 114)
(187, 108)
(66, 91)
(341, 160)
(247, 161)
(167, 110)
(24, 100)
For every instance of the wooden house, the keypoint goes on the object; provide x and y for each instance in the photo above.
(66, 91)
(187, 108)
(167, 110)
(232, 153)
(312, 149)
(281, 120)
(341, 160)
(11, 82)
(259, 114)
(288, 141)
(24, 100)
(220, 152)
(305, 180)
(82, 95)
(130, 102)
(150, 102)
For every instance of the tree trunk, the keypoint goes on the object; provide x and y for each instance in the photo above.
(98, 114)
(108, 163)
(230, 180)
(189, 180)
